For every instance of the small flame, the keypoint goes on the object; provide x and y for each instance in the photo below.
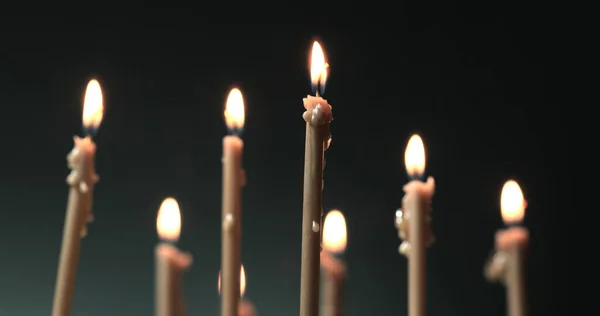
(318, 68)
(242, 281)
(335, 236)
(93, 105)
(234, 110)
(414, 157)
(512, 203)
(168, 221)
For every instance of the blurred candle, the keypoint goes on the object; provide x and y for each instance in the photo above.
(317, 116)
(507, 263)
(334, 244)
(245, 307)
(413, 223)
(79, 206)
(170, 261)
(233, 180)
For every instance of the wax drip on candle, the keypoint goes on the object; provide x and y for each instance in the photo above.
(402, 218)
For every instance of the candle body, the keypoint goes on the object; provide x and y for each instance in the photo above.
(233, 180)
(170, 263)
(512, 242)
(334, 273)
(417, 203)
(246, 308)
(81, 181)
(317, 117)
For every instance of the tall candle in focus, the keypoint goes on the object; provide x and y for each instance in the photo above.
(233, 180)
(335, 239)
(507, 263)
(79, 206)
(170, 261)
(317, 116)
(245, 306)
(413, 223)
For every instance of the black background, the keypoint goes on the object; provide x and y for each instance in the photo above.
(468, 77)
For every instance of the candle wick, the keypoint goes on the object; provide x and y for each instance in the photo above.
(89, 131)
(236, 131)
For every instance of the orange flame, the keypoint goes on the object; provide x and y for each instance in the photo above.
(93, 105)
(234, 110)
(168, 221)
(512, 203)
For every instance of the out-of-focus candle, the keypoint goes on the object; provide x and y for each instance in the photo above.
(507, 263)
(233, 181)
(317, 116)
(413, 223)
(335, 239)
(245, 306)
(79, 206)
(170, 261)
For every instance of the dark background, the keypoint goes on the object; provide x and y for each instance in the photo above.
(468, 77)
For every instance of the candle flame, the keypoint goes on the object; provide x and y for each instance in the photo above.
(168, 221)
(318, 68)
(234, 110)
(512, 203)
(414, 157)
(93, 105)
(242, 281)
(335, 236)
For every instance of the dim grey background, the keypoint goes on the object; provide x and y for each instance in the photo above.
(469, 77)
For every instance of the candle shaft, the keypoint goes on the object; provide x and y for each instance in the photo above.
(417, 204)
(311, 220)
(69, 255)
(515, 282)
(170, 263)
(332, 294)
(231, 228)
(81, 181)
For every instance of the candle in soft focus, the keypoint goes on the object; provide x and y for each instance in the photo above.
(512, 203)
(335, 236)
(93, 105)
(242, 281)
(168, 221)
(234, 110)
(414, 157)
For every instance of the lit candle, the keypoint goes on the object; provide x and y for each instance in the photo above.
(79, 206)
(317, 116)
(334, 244)
(245, 306)
(170, 261)
(507, 263)
(233, 180)
(413, 224)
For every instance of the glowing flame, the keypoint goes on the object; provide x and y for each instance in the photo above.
(318, 66)
(335, 236)
(93, 105)
(168, 221)
(512, 203)
(414, 157)
(234, 110)
(242, 281)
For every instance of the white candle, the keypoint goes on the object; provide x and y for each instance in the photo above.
(317, 116)
(79, 206)
(233, 181)
(413, 223)
(170, 261)
(507, 263)
(335, 239)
